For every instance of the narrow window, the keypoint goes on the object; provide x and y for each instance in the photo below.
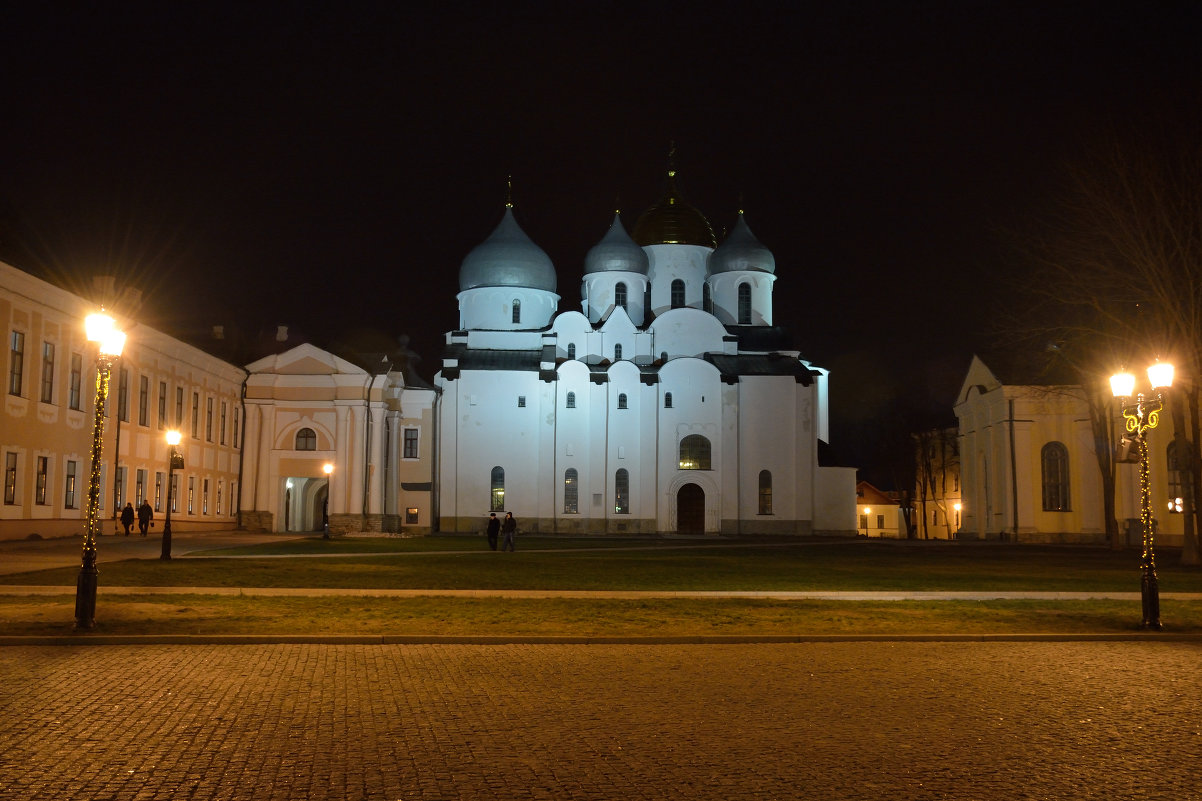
(16, 364)
(744, 304)
(571, 350)
(191, 494)
(707, 299)
(677, 293)
(237, 419)
(221, 426)
(158, 492)
(123, 397)
(47, 372)
(179, 406)
(620, 295)
(410, 451)
(1054, 458)
(521, 401)
(622, 492)
(204, 498)
(667, 400)
(209, 419)
(195, 415)
(174, 493)
(517, 311)
(306, 440)
(143, 400)
(10, 478)
(497, 501)
(139, 487)
(571, 492)
(162, 405)
(621, 400)
(75, 395)
(694, 453)
(39, 494)
(69, 492)
(220, 487)
(617, 353)
(765, 492)
(571, 400)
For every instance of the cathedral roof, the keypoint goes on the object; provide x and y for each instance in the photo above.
(507, 258)
(616, 252)
(741, 251)
(672, 221)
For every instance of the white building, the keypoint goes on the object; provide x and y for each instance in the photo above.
(670, 403)
(1029, 473)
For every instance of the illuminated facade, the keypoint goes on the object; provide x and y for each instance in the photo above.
(670, 403)
(1028, 469)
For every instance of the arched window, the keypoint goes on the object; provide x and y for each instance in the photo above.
(622, 492)
(497, 502)
(1180, 492)
(617, 353)
(694, 453)
(517, 310)
(707, 300)
(1054, 458)
(571, 400)
(571, 491)
(306, 440)
(621, 400)
(677, 293)
(765, 492)
(667, 400)
(620, 295)
(744, 304)
(571, 350)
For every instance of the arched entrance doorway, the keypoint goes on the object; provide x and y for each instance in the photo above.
(305, 503)
(690, 510)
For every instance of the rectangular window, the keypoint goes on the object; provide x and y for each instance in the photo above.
(221, 427)
(39, 495)
(47, 372)
(880, 521)
(209, 419)
(191, 492)
(521, 401)
(195, 415)
(162, 405)
(76, 393)
(220, 486)
(119, 487)
(237, 419)
(158, 492)
(143, 400)
(179, 406)
(411, 515)
(864, 523)
(10, 478)
(174, 493)
(123, 396)
(69, 493)
(16, 364)
(410, 451)
(204, 497)
(140, 491)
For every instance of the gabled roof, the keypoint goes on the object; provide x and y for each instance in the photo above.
(868, 494)
(304, 359)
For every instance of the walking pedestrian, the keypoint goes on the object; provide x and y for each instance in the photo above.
(127, 517)
(145, 515)
(509, 528)
(494, 528)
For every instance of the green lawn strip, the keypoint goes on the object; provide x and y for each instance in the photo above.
(432, 616)
(460, 543)
(824, 566)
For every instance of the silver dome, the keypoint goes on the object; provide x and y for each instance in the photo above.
(741, 251)
(507, 258)
(616, 252)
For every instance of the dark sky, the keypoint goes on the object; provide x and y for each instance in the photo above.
(331, 166)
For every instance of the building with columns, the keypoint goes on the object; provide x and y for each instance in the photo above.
(670, 403)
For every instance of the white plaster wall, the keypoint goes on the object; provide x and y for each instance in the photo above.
(724, 289)
(491, 307)
(599, 293)
(668, 262)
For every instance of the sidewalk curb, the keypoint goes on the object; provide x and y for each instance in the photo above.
(86, 639)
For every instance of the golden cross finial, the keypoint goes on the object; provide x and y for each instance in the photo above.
(509, 191)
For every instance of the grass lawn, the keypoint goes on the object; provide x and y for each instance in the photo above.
(584, 564)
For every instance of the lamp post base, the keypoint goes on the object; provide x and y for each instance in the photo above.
(85, 597)
(1150, 592)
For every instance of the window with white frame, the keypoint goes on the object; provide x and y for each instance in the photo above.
(47, 372)
(410, 447)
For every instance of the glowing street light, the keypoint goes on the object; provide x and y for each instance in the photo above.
(328, 469)
(103, 331)
(175, 461)
(1142, 415)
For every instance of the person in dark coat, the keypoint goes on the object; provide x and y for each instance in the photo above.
(494, 528)
(127, 517)
(509, 528)
(145, 515)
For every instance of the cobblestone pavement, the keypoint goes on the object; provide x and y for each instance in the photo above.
(812, 720)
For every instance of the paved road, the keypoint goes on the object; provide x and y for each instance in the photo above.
(802, 721)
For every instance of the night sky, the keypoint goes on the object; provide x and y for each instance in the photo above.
(329, 167)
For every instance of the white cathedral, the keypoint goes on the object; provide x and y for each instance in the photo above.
(669, 403)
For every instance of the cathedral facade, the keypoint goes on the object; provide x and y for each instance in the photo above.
(669, 404)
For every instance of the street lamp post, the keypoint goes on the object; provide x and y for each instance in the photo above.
(1142, 414)
(328, 469)
(101, 330)
(175, 461)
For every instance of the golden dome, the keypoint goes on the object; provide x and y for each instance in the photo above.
(672, 221)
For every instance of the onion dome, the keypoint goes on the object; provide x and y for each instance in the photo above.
(672, 221)
(616, 252)
(741, 251)
(507, 258)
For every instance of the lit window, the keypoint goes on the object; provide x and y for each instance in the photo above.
(622, 492)
(497, 501)
(1180, 491)
(694, 453)
(411, 515)
(571, 491)
(1054, 458)
(69, 493)
(39, 496)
